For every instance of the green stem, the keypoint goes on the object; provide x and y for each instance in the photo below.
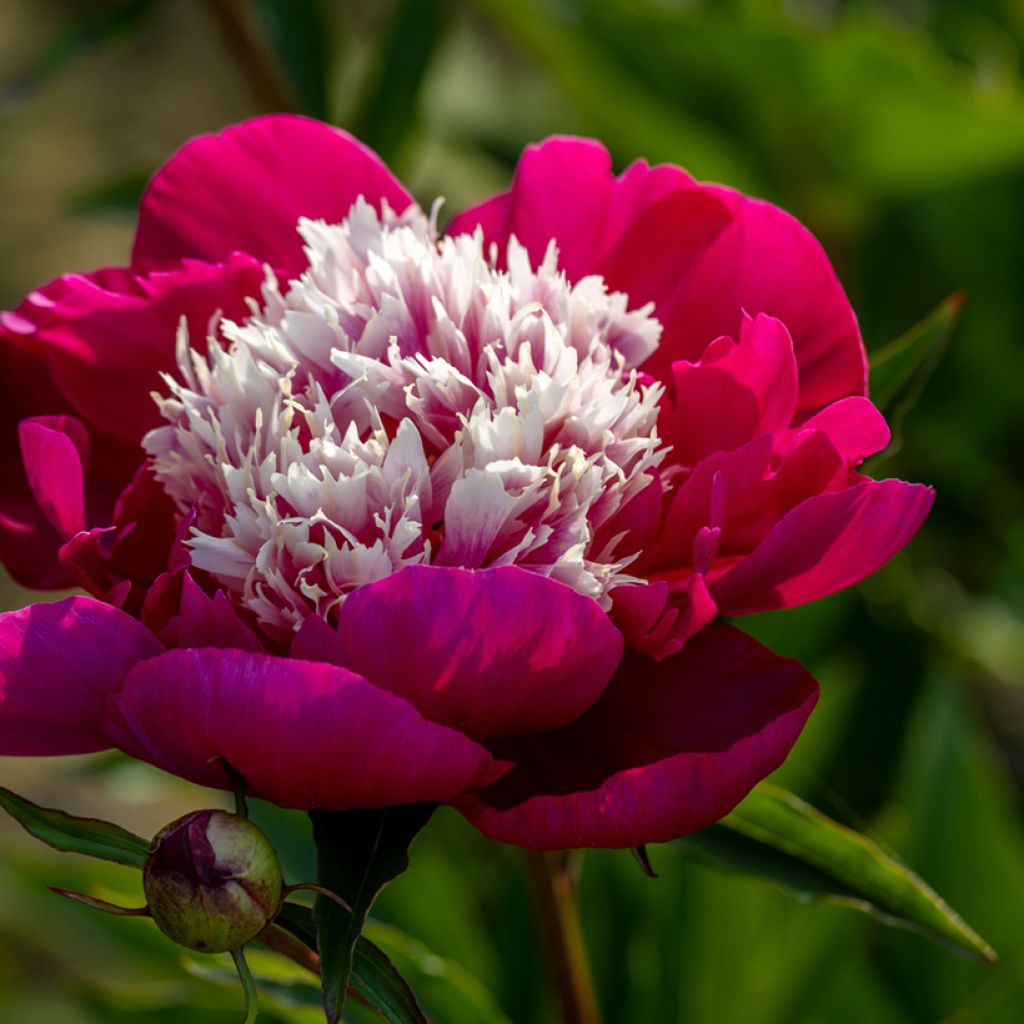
(554, 891)
(248, 986)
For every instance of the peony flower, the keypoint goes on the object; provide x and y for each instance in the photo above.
(380, 514)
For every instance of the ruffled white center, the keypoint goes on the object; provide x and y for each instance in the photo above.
(407, 402)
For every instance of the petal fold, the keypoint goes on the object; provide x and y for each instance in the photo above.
(492, 652)
(670, 748)
(58, 662)
(302, 734)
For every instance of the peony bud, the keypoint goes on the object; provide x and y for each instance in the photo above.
(212, 881)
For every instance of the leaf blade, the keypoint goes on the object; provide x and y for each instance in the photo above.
(358, 853)
(900, 370)
(786, 841)
(71, 834)
(374, 977)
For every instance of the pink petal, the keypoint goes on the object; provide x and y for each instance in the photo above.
(734, 393)
(301, 734)
(107, 349)
(767, 262)
(854, 426)
(670, 748)
(493, 652)
(827, 542)
(244, 190)
(58, 662)
(564, 189)
(205, 621)
(55, 450)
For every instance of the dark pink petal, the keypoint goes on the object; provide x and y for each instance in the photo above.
(854, 426)
(767, 262)
(302, 734)
(659, 620)
(669, 748)
(641, 228)
(205, 621)
(826, 543)
(58, 662)
(493, 652)
(55, 452)
(734, 393)
(28, 542)
(107, 349)
(244, 190)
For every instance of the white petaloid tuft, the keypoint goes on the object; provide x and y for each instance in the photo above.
(407, 402)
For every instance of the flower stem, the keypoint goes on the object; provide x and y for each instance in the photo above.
(554, 891)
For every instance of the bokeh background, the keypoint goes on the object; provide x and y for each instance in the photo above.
(895, 130)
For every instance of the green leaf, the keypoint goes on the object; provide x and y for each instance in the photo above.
(388, 102)
(449, 992)
(358, 853)
(777, 836)
(303, 33)
(900, 370)
(374, 977)
(69, 834)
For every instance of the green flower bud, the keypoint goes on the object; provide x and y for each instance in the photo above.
(212, 881)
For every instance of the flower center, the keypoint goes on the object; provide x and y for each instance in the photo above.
(407, 402)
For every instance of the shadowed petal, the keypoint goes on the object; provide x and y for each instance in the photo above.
(55, 452)
(493, 652)
(826, 543)
(244, 190)
(58, 662)
(669, 748)
(302, 734)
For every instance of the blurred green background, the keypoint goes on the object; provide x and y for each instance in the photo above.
(895, 130)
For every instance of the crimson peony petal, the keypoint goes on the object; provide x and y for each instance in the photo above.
(766, 261)
(493, 652)
(107, 348)
(55, 451)
(854, 426)
(302, 734)
(827, 542)
(734, 393)
(58, 662)
(564, 189)
(668, 749)
(244, 190)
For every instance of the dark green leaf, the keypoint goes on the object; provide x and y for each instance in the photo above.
(900, 370)
(388, 102)
(777, 836)
(303, 33)
(358, 852)
(76, 835)
(374, 977)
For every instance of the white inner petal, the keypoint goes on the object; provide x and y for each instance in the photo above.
(407, 402)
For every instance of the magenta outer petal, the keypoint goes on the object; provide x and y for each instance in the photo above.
(493, 652)
(58, 662)
(244, 190)
(564, 189)
(826, 543)
(768, 262)
(670, 748)
(302, 734)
